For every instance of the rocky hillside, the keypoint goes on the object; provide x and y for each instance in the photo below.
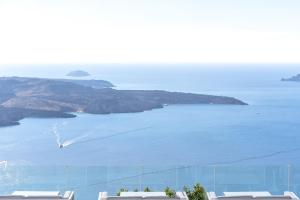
(27, 97)
(295, 78)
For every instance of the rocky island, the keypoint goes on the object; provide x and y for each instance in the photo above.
(78, 73)
(295, 78)
(22, 97)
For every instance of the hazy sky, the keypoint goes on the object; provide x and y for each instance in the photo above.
(159, 31)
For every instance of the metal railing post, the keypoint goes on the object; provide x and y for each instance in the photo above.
(288, 177)
(214, 178)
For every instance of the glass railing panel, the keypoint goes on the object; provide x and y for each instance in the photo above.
(88, 181)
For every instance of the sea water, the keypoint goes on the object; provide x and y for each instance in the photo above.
(257, 142)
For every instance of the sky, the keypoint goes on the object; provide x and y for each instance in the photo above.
(149, 31)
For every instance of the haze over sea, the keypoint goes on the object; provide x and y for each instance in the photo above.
(264, 132)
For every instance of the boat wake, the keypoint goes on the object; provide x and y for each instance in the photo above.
(56, 134)
(81, 139)
(4, 162)
(72, 141)
(112, 135)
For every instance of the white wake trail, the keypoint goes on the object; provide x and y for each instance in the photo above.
(4, 162)
(74, 140)
(56, 134)
(60, 142)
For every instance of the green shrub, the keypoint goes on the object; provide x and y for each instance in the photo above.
(198, 192)
(121, 190)
(170, 193)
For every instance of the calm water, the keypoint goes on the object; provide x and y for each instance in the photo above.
(181, 134)
(264, 133)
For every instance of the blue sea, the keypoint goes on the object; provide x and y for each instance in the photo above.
(254, 147)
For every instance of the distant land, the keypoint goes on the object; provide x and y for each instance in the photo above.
(96, 84)
(295, 78)
(22, 97)
(78, 73)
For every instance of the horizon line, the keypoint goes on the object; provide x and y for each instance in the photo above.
(155, 63)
